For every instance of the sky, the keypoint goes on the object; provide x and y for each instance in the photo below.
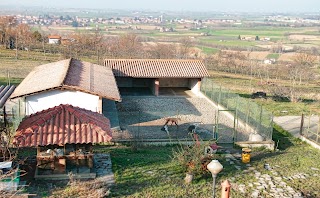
(179, 5)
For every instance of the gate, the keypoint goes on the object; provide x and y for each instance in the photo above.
(225, 126)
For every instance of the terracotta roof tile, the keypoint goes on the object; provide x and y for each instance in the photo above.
(61, 125)
(54, 37)
(70, 74)
(157, 68)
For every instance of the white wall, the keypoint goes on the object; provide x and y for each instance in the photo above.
(45, 100)
(54, 41)
(194, 85)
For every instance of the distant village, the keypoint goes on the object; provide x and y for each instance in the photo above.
(96, 22)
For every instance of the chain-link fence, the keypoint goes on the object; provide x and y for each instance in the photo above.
(249, 116)
(310, 127)
(143, 118)
(149, 125)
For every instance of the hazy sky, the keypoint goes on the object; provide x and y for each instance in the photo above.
(180, 5)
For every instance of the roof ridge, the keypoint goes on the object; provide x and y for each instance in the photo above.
(66, 71)
(29, 133)
(150, 59)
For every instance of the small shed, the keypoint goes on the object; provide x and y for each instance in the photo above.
(63, 136)
(156, 74)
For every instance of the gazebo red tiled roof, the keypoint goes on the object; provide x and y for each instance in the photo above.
(63, 124)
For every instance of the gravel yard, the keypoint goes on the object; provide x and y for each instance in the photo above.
(143, 117)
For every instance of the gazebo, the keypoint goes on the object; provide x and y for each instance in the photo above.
(64, 136)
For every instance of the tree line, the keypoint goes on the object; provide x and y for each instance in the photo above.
(92, 44)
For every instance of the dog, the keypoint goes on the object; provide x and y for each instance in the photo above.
(173, 121)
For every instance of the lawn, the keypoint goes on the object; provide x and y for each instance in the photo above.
(208, 50)
(228, 42)
(273, 55)
(151, 172)
(273, 32)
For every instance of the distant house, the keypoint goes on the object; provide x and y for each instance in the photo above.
(69, 81)
(54, 39)
(156, 74)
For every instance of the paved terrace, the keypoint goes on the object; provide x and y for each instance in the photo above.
(142, 117)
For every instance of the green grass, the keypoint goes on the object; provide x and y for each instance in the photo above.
(273, 55)
(228, 42)
(13, 81)
(208, 50)
(272, 32)
(150, 171)
(244, 86)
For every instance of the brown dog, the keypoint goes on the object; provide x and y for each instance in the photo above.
(172, 120)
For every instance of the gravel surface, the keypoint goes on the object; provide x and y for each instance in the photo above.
(143, 117)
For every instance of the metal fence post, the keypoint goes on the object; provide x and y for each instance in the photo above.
(309, 124)
(212, 90)
(236, 118)
(247, 117)
(219, 99)
(301, 124)
(318, 129)
(271, 127)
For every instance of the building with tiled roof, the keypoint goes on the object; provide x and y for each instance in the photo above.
(54, 39)
(63, 124)
(158, 73)
(69, 81)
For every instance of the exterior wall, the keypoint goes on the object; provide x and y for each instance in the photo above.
(174, 82)
(133, 82)
(124, 82)
(194, 85)
(49, 99)
(54, 41)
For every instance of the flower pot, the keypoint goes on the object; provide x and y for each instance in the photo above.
(188, 179)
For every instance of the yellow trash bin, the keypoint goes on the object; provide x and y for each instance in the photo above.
(246, 154)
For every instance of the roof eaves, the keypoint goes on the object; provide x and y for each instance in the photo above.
(34, 93)
(75, 88)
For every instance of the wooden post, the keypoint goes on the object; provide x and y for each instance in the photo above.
(301, 124)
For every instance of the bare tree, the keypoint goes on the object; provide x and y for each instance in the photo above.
(163, 51)
(185, 47)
